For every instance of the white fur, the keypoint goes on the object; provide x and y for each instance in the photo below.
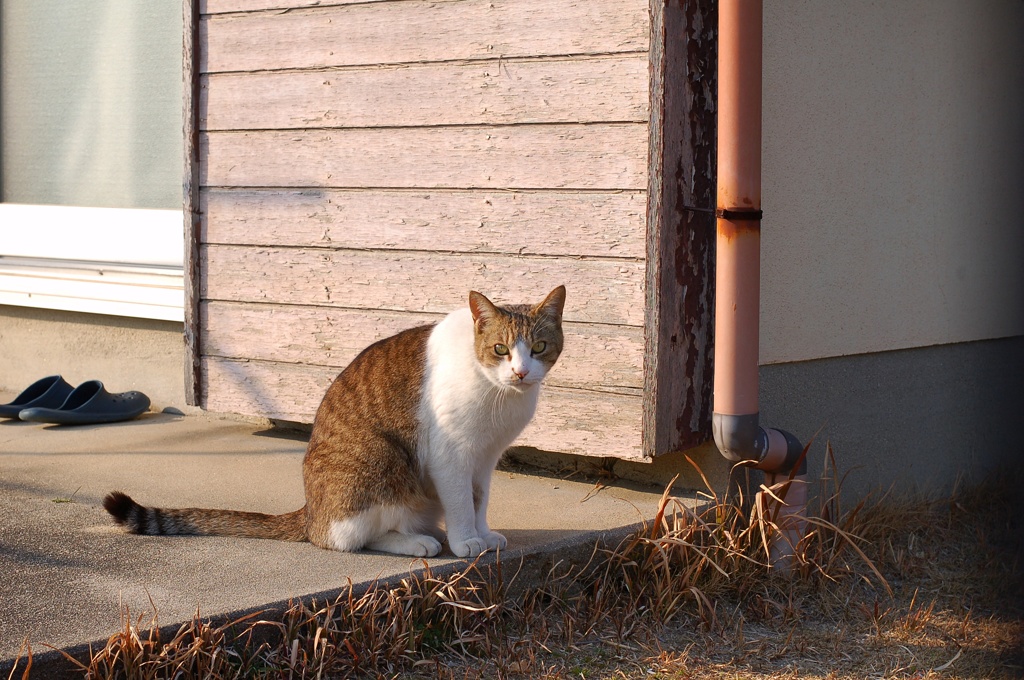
(393, 529)
(469, 415)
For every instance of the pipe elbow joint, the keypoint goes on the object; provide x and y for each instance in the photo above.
(793, 455)
(741, 438)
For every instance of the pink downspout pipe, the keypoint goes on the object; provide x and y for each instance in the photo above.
(737, 430)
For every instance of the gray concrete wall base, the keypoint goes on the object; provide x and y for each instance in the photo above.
(918, 420)
(124, 353)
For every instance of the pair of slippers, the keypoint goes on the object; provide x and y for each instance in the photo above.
(53, 400)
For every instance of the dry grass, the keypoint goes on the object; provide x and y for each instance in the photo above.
(898, 589)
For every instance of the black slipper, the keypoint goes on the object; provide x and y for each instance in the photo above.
(49, 392)
(91, 403)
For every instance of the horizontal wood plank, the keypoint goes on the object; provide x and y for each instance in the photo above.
(524, 157)
(586, 424)
(225, 6)
(567, 421)
(603, 358)
(600, 291)
(255, 388)
(527, 223)
(603, 89)
(420, 31)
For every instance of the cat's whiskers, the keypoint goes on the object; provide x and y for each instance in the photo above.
(497, 406)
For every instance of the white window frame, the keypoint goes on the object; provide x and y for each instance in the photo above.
(117, 261)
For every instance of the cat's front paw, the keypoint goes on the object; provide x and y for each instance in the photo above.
(471, 547)
(425, 546)
(495, 541)
(417, 545)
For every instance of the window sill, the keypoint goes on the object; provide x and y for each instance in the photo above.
(122, 262)
(147, 292)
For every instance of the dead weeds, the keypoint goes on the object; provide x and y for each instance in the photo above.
(886, 589)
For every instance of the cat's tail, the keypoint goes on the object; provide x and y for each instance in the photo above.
(139, 519)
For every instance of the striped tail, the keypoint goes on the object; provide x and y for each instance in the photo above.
(203, 522)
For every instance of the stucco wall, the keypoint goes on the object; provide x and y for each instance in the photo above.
(893, 162)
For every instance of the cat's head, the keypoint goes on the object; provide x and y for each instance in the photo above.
(517, 344)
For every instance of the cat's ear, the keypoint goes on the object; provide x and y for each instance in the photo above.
(553, 304)
(482, 308)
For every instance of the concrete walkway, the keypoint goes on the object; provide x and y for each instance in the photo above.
(67, 572)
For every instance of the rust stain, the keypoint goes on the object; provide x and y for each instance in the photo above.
(730, 229)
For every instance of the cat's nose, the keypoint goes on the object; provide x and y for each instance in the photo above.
(520, 373)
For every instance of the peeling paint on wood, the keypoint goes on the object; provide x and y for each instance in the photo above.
(513, 222)
(523, 157)
(224, 6)
(680, 241)
(593, 89)
(191, 211)
(600, 291)
(421, 31)
(585, 424)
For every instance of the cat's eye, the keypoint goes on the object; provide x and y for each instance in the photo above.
(501, 350)
(539, 347)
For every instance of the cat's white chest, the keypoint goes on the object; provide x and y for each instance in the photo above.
(461, 408)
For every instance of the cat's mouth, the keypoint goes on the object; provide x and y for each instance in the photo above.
(519, 385)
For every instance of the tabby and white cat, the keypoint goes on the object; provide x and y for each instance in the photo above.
(412, 429)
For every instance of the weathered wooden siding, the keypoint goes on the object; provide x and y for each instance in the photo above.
(607, 291)
(608, 157)
(478, 92)
(225, 6)
(362, 166)
(566, 223)
(419, 31)
(678, 362)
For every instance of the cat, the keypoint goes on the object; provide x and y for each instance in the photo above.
(409, 432)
